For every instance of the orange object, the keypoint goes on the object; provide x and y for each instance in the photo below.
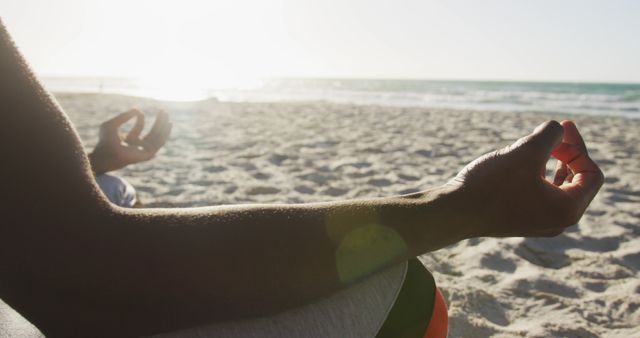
(439, 323)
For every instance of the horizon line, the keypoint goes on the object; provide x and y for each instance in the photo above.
(497, 80)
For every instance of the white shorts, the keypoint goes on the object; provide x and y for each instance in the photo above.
(355, 312)
(117, 189)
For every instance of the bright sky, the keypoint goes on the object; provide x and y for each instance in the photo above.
(579, 40)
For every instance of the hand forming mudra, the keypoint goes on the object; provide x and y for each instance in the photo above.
(507, 192)
(115, 150)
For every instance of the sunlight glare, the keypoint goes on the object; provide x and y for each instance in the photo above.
(196, 52)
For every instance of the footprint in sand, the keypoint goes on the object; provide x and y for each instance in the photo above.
(203, 183)
(484, 303)
(277, 159)
(261, 176)
(538, 255)
(360, 165)
(544, 285)
(316, 178)
(360, 174)
(215, 169)
(405, 177)
(303, 189)
(331, 191)
(595, 286)
(632, 260)
(246, 166)
(570, 332)
(357, 165)
(262, 190)
(550, 252)
(425, 153)
(175, 192)
(495, 261)
(380, 182)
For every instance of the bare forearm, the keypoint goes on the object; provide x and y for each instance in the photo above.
(266, 256)
(194, 266)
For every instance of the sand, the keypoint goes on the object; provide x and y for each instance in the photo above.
(584, 283)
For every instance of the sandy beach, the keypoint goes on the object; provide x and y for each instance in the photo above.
(584, 283)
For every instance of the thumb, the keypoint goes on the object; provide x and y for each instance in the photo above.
(544, 139)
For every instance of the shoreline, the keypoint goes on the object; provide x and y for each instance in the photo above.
(329, 102)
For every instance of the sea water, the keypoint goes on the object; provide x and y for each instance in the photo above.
(576, 98)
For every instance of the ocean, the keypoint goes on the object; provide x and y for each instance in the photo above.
(615, 99)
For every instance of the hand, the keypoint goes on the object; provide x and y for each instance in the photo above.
(506, 191)
(115, 150)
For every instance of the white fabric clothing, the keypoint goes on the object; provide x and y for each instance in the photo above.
(117, 189)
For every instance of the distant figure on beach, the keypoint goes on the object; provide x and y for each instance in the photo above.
(75, 264)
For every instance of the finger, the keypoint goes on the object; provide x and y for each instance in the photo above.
(156, 136)
(587, 177)
(167, 133)
(572, 135)
(583, 187)
(134, 134)
(573, 151)
(569, 178)
(561, 173)
(121, 119)
(162, 119)
(161, 138)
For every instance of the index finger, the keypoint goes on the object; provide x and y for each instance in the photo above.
(134, 134)
(154, 139)
(573, 151)
(122, 118)
(588, 177)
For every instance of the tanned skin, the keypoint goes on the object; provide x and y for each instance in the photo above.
(76, 265)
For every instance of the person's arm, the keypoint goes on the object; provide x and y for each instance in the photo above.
(71, 262)
(160, 270)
